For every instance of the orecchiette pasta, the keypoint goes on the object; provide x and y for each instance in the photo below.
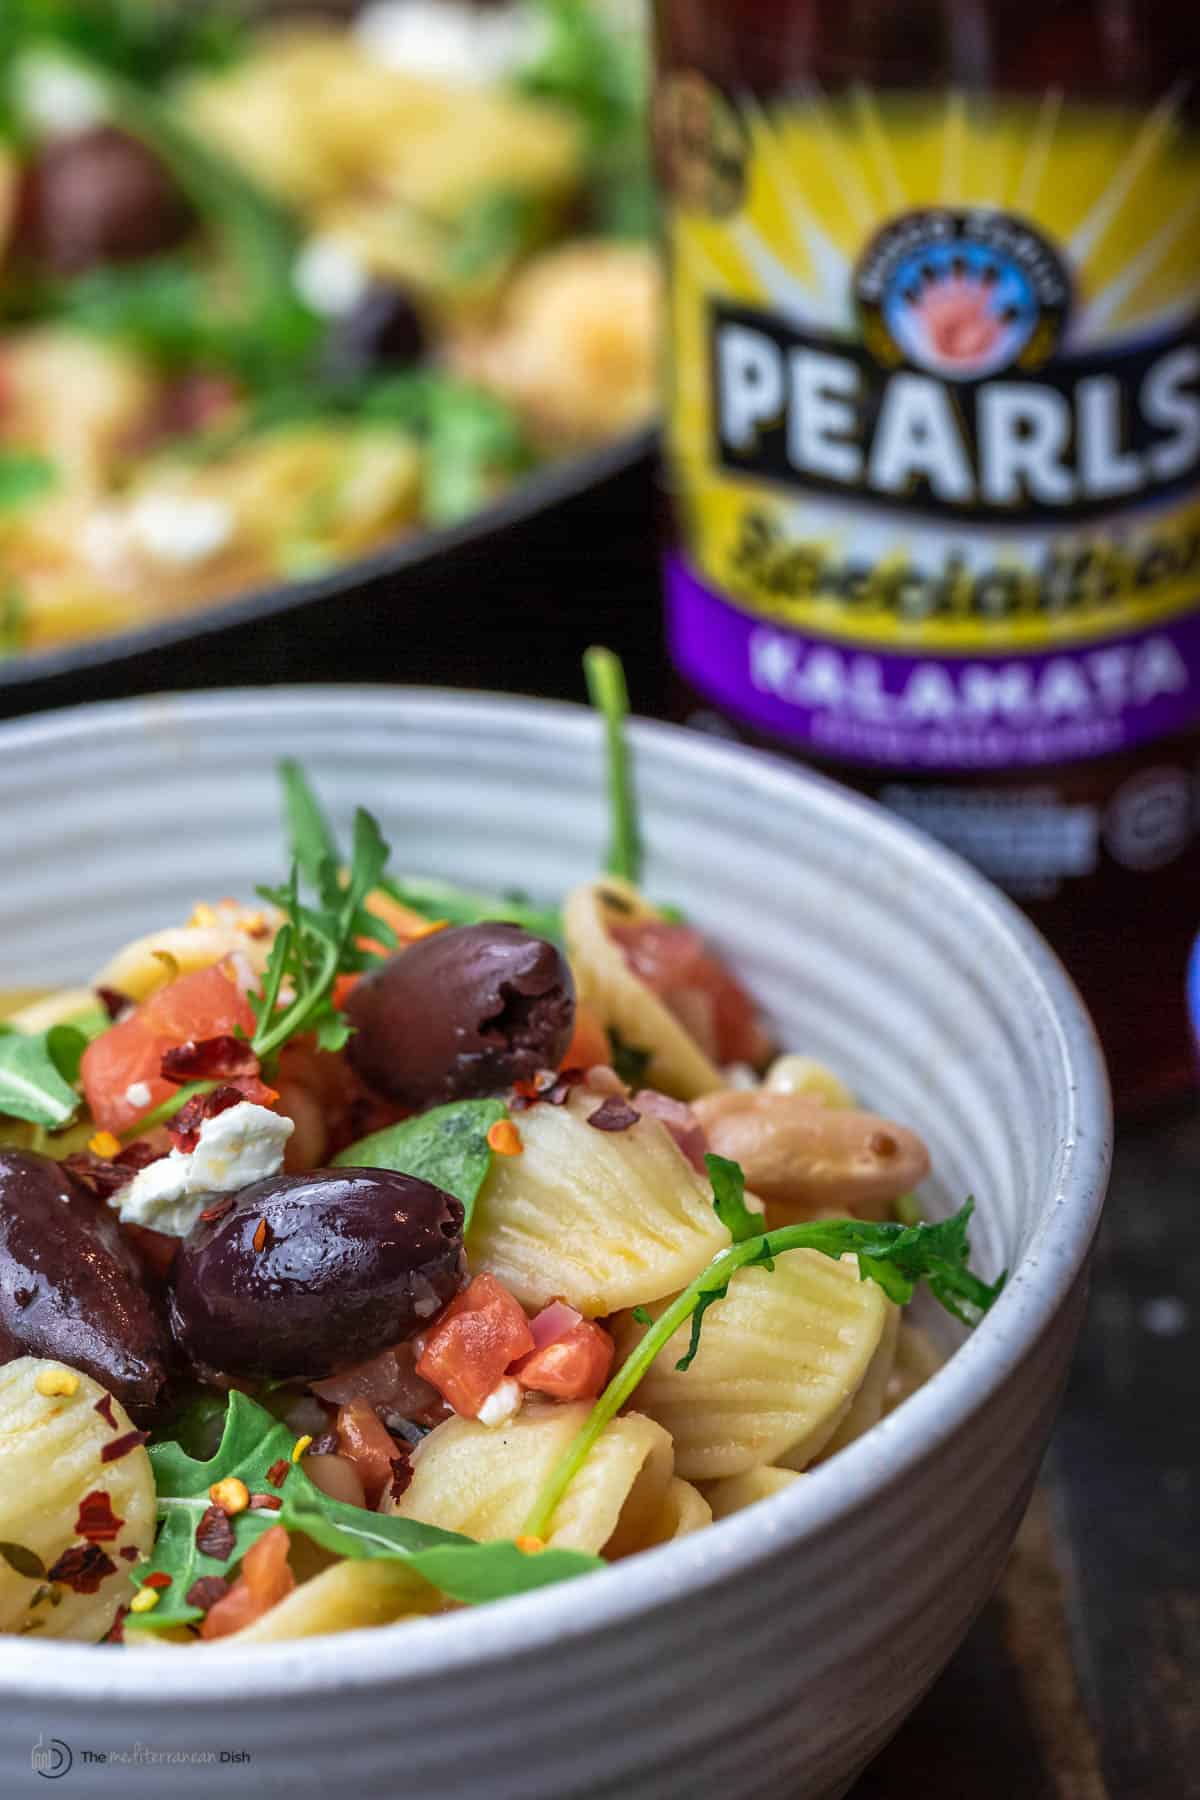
(603, 1220)
(63, 1508)
(780, 1359)
(482, 1481)
(621, 999)
(224, 930)
(684, 1510)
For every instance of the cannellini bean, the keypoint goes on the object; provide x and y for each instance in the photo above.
(803, 1156)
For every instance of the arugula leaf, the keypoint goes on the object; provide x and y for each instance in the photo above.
(473, 438)
(24, 477)
(609, 695)
(895, 1256)
(447, 1146)
(435, 899)
(499, 226)
(36, 1073)
(251, 1444)
(310, 835)
(729, 1198)
(141, 38)
(316, 944)
(629, 1060)
(469, 1572)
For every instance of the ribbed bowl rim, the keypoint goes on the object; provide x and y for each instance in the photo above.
(551, 1618)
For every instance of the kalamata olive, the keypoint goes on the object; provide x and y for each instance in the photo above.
(70, 1286)
(97, 197)
(463, 1012)
(310, 1273)
(382, 330)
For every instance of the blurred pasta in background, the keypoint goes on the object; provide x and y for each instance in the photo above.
(278, 290)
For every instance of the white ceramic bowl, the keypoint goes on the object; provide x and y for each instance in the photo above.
(774, 1653)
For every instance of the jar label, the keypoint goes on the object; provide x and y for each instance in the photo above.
(934, 428)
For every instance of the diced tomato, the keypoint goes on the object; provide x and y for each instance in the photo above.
(265, 1579)
(364, 1441)
(589, 1043)
(205, 1004)
(343, 987)
(675, 961)
(574, 1367)
(481, 1332)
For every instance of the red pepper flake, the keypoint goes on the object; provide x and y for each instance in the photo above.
(83, 1567)
(214, 1534)
(209, 1059)
(159, 1579)
(97, 1522)
(218, 1209)
(546, 1086)
(613, 1114)
(130, 1552)
(185, 1126)
(205, 1592)
(112, 1000)
(104, 1406)
(118, 1447)
(278, 1471)
(116, 1632)
(265, 1503)
(402, 1475)
(262, 1236)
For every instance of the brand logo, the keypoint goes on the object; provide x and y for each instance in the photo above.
(50, 1759)
(962, 294)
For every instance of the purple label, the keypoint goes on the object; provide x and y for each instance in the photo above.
(869, 704)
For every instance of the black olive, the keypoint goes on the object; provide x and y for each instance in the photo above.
(71, 1287)
(308, 1274)
(383, 330)
(97, 197)
(461, 1013)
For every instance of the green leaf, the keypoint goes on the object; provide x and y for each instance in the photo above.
(468, 1572)
(473, 440)
(24, 477)
(33, 1085)
(252, 1442)
(435, 899)
(729, 1198)
(447, 1146)
(610, 697)
(498, 226)
(14, 619)
(310, 835)
(895, 1256)
(629, 1060)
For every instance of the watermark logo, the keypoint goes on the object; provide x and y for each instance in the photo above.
(50, 1759)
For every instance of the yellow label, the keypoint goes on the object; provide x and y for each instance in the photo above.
(936, 364)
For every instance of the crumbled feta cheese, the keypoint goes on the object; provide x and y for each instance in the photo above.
(243, 1144)
(137, 1093)
(57, 99)
(449, 40)
(329, 277)
(502, 1404)
(181, 529)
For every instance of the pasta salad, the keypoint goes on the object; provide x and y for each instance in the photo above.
(380, 1247)
(281, 286)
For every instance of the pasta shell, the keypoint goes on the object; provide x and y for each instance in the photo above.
(736, 1491)
(866, 1408)
(601, 1219)
(140, 969)
(684, 1510)
(620, 999)
(780, 1359)
(51, 1459)
(483, 1482)
(347, 1597)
